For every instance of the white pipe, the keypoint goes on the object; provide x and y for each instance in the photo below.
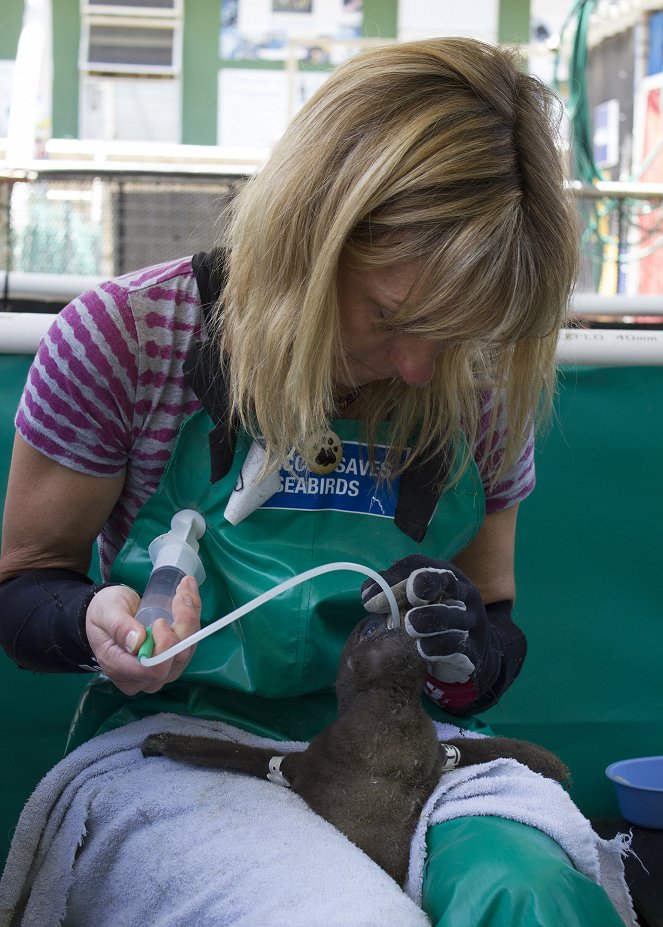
(46, 287)
(639, 304)
(21, 332)
(622, 347)
(616, 189)
(64, 287)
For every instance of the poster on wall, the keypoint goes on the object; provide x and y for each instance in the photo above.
(267, 30)
(255, 105)
(419, 18)
(648, 168)
(6, 75)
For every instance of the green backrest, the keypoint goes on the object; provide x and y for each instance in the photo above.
(36, 709)
(588, 562)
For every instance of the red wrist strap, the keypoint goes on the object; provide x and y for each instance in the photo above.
(451, 696)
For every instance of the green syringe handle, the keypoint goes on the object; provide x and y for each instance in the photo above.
(147, 647)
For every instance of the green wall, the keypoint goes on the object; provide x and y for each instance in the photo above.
(200, 60)
(36, 708)
(513, 25)
(200, 66)
(11, 18)
(588, 562)
(380, 19)
(66, 37)
(200, 56)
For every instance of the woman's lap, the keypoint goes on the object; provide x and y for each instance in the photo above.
(217, 848)
(234, 851)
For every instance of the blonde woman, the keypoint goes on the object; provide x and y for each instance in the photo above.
(377, 329)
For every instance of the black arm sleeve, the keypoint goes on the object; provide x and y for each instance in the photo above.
(42, 620)
(507, 649)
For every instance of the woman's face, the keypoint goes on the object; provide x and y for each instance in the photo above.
(365, 299)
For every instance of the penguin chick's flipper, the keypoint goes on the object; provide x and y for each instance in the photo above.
(538, 759)
(217, 754)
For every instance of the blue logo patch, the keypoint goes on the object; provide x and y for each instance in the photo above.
(352, 487)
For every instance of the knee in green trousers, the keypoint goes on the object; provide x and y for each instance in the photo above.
(491, 872)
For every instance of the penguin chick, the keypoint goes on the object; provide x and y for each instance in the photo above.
(370, 772)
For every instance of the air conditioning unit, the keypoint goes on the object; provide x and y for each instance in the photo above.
(144, 37)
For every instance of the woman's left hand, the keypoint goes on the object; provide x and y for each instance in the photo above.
(472, 652)
(441, 609)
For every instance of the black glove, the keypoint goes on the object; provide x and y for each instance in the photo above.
(472, 652)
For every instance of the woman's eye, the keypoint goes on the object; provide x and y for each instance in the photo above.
(380, 312)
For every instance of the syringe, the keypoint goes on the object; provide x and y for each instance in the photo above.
(174, 555)
(393, 620)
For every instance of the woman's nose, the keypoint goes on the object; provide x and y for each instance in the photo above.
(414, 359)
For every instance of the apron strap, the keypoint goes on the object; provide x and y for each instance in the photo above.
(418, 494)
(209, 268)
(205, 375)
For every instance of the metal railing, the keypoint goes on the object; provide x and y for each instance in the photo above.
(104, 219)
(64, 227)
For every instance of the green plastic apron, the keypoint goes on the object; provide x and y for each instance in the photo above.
(272, 671)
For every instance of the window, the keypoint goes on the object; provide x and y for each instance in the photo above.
(141, 37)
(132, 5)
(114, 48)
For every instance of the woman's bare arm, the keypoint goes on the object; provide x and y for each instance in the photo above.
(52, 514)
(489, 558)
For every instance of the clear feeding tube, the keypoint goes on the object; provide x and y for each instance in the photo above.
(393, 620)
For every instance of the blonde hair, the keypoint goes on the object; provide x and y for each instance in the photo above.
(442, 152)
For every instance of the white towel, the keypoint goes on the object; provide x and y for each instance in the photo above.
(109, 838)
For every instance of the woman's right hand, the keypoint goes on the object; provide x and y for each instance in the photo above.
(115, 636)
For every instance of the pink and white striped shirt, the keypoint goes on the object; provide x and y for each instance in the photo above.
(106, 392)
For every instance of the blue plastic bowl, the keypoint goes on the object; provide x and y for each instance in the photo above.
(639, 787)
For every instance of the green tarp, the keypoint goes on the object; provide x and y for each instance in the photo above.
(588, 567)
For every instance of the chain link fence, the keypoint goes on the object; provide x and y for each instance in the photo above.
(109, 222)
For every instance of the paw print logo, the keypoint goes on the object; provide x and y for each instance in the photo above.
(323, 453)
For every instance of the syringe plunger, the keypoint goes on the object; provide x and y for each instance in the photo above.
(174, 555)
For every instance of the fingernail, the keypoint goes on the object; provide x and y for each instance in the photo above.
(132, 640)
(188, 600)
